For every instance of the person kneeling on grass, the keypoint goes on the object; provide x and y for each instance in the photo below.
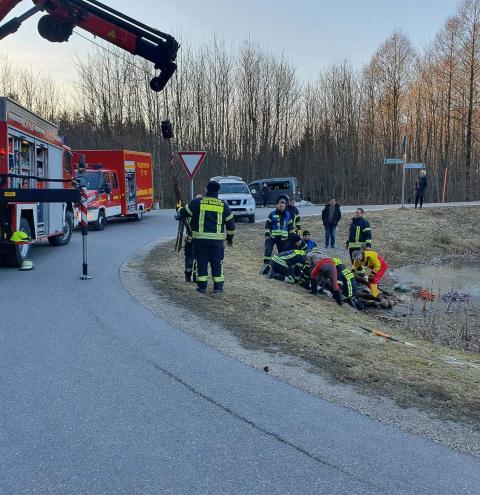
(288, 265)
(325, 272)
(375, 263)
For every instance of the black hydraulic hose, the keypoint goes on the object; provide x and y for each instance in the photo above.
(128, 23)
(131, 20)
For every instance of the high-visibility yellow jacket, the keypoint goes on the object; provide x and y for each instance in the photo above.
(209, 217)
(372, 260)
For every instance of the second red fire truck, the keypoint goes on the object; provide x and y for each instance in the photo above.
(119, 183)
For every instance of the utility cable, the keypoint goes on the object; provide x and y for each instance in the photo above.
(114, 54)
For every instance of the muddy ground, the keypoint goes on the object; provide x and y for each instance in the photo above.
(280, 318)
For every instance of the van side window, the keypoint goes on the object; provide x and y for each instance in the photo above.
(114, 181)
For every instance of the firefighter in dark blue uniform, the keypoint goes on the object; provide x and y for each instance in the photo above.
(359, 233)
(209, 217)
(288, 265)
(278, 229)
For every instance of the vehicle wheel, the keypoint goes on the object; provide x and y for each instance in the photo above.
(137, 217)
(64, 239)
(19, 252)
(251, 218)
(101, 221)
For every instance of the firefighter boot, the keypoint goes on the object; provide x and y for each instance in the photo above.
(217, 287)
(202, 287)
(265, 269)
(188, 276)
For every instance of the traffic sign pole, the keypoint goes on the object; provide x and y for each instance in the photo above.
(405, 165)
(405, 146)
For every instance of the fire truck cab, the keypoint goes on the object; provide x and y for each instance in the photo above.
(31, 150)
(119, 184)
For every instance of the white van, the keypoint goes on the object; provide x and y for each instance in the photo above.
(235, 192)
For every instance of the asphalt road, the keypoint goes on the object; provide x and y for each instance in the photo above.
(99, 396)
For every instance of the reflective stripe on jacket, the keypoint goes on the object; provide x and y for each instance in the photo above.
(295, 214)
(279, 224)
(209, 215)
(359, 233)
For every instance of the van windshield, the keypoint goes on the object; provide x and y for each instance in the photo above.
(233, 188)
(93, 178)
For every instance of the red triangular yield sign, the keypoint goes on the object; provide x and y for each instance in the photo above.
(191, 161)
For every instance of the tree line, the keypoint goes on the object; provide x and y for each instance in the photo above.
(256, 117)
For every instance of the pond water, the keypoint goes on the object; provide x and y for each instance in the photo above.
(464, 275)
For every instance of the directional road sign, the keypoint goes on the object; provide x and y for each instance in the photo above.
(414, 165)
(191, 161)
(393, 161)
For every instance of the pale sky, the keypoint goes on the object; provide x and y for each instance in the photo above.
(310, 33)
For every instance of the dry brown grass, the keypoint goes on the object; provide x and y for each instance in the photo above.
(270, 315)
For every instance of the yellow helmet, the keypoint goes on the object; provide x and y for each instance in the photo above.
(20, 237)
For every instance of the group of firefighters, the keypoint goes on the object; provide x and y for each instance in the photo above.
(298, 258)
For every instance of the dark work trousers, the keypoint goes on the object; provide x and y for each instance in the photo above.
(209, 252)
(330, 235)
(269, 243)
(281, 271)
(419, 198)
(190, 264)
(347, 285)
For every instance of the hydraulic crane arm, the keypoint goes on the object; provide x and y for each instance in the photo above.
(6, 6)
(102, 21)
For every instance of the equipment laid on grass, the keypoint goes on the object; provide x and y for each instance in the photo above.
(378, 333)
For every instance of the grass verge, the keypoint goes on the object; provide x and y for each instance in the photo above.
(278, 318)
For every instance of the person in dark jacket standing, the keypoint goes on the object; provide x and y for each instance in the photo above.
(264, 194)
(209, 217)
(278, 229)
(331, 215)
(297, 223)
(359, 233)
(420, 187)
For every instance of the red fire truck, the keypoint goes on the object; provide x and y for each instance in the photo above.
(119, 183)
(36, 192)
